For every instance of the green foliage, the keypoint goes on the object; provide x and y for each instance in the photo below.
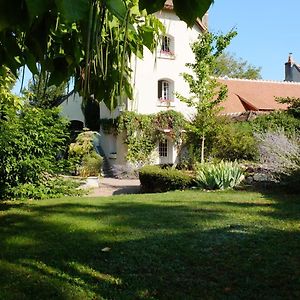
(228, 65)
(155, 179)
(88, 41)
(188, 10)
(9, 103)
(41, 95)
(232, 141)
(143, 131)
(276, 121)
(293, 105)
(31, 141)
(222, 176)
(205, 91)
(91, 164)
(139, 135)
(86, 160)
(53, 187)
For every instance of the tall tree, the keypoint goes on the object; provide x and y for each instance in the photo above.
(233, 67)
(40, 94)
(205, 91)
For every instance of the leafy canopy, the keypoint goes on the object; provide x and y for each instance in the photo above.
(233, 67)
(90, 41)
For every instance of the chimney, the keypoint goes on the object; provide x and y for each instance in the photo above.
(288, 68)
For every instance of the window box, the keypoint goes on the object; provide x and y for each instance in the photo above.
(166, 102)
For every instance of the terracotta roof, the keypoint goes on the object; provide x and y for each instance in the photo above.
(257, 95)
(169, 6)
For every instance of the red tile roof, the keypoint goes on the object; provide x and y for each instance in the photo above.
(257, 95)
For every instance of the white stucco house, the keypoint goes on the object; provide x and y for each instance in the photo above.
(155, 79)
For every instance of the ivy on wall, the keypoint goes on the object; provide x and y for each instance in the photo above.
(142, 132)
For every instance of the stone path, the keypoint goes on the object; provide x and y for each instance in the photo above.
(111, 186)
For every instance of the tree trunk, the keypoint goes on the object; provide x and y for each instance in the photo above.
(202, 148)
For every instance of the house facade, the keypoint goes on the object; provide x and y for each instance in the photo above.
(155, 78)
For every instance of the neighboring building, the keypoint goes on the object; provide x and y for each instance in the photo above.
(257, 95)
(292, 70)
(155, 79)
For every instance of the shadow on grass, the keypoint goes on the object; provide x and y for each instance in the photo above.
(54, 251)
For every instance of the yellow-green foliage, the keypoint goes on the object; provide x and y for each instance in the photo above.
(88, 162)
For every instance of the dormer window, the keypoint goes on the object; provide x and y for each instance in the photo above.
(165, 89)
(167, 47)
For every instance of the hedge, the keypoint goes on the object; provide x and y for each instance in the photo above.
(154, 179)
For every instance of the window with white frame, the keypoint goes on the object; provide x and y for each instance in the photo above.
(167, 47)
(166, 44)
(165, 90)
(163, 148)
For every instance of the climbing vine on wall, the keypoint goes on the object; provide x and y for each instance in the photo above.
(142, 132)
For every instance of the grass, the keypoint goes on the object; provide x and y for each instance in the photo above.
(176, 245)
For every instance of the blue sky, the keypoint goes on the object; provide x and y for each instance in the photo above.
(267, 31)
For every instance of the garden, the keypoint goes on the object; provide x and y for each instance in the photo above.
(221, 223)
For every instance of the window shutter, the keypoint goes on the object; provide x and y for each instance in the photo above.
(159, 89)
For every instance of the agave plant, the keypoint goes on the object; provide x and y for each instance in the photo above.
(222, 176)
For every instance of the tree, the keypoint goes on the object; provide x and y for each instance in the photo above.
(233, 67)
(90, 41)
(205, 91)
(293, 104)
(41, 95)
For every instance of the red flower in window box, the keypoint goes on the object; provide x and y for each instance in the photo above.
(167, 52)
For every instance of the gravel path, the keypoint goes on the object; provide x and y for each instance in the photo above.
(112, 186)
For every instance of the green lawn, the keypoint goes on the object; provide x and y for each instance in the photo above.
(177, 245)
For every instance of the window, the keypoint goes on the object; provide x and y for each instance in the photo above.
(166, 44)
(163, 148)
(165, 90)
(167, 47)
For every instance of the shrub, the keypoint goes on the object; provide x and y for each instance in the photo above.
(91, 164)
(222, 176)
(280, 120)
(291, 182)
(53, 187)
(82, 153)
(155, 179)
(233, 141)
(31, 141)
(278, 151)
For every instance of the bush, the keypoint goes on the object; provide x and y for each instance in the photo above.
(82, 153)
(155, 179)
(53, 187)
(31, 143)
(233, 141)
(281, 153)
(91, 164)
(291, 182)
(280, 120)
(222, 176)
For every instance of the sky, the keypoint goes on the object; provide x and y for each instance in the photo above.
(268, 30)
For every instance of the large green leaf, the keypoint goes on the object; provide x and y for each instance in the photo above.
(152, 5)
(187, 10)
(117, 8)
(73, 10)
(37, 7)
(190, 10)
